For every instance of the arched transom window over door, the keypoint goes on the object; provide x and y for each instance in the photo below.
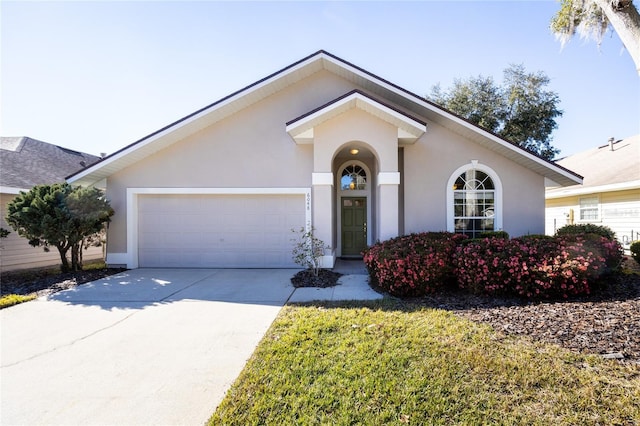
(474, 203)
(354, 178)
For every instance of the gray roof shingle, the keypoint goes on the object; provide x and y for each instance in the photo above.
(26, 162)
(603, 166)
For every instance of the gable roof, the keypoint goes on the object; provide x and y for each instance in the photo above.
(611, 167)
(26, 162)
(295, 72)
(409, 128)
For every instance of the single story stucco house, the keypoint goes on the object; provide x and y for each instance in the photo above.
(321, 143)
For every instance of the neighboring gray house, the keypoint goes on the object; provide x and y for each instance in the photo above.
(24, 163)
(321, 143)
(609, 195)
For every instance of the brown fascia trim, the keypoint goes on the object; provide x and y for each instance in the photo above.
(373, 76)
(346, 95)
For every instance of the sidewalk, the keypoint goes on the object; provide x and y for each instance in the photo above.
(353, 285)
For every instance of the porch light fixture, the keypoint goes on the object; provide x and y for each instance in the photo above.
(354, 151)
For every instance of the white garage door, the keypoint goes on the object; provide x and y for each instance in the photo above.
(218, 231)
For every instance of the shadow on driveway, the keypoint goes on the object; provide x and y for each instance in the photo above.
(137, 288)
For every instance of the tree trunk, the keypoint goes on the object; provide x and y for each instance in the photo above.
(76, 263)
(80, 260)
(624, 18)
(63, 249)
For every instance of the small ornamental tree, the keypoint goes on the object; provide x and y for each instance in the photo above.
(62, 216)
(308, 250)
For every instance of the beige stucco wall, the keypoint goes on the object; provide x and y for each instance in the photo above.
(619, 210)
(251, 149)
(431, 161)
(16, 253)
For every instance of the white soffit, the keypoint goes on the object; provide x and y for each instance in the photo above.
(409, 129)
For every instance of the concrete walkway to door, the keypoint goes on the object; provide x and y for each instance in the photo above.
(148, 346)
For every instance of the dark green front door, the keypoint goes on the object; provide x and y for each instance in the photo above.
(354, 225)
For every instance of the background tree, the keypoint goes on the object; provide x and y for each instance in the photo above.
(520, 110)
(60, 215)
(591, 19)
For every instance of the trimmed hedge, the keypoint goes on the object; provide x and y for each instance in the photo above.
(536, 266)
(634, 248)
(587, 228)
(495, 234)
(413, 265)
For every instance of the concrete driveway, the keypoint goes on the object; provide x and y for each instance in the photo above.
(148, 346)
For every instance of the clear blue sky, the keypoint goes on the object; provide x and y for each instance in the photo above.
(96, 76)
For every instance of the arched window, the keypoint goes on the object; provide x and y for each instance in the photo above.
(474, 203)
(353, 178)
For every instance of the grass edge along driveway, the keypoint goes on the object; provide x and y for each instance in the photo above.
(391, 362)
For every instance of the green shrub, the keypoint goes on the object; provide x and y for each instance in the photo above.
(587, 228)
(635, 251)
(495, 234)
(536, 237)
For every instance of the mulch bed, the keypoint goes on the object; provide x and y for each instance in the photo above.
(43, 283)
(607, 323)
(306, 278)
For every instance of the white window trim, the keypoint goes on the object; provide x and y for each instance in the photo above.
(130, 258)
(599, 209)
(497, 183)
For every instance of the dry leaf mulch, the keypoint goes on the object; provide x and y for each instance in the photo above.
(606, 324)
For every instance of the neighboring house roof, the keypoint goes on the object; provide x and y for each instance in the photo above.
(611, 167)
(26, 162)
(296, 72)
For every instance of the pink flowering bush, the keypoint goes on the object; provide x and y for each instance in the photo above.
(413, 265)
(532, 267)
(536, 267)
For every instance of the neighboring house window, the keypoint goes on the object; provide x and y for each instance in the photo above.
(474, 196)
(589, 209)
(353, 178)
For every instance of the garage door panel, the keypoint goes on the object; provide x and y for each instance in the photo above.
(211, 239)
(218, 230)
(193, 223)
(295, 221)
(254, 239)
(274, 221)
(150, 239)
(276, 239)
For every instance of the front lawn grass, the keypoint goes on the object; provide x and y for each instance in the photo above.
(391, 362)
